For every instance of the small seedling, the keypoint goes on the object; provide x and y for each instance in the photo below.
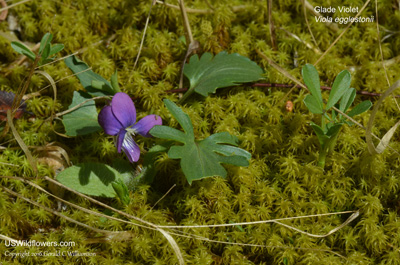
(330, 127)
(46, 49)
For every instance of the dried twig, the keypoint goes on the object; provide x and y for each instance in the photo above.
(271, 26)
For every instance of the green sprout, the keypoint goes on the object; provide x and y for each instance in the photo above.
(330, 127)
(46, 49)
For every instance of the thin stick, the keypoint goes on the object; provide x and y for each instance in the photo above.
(58, 213)
(79, 105)
(264, 221)
(360, 92)
(271, 26)
(13, 5)
(203, 11)
(118, 234)
(341, 34)
(333, 26)
(173, 186)
(186, 24)
(166, 235)
(144, 34)
(21, 142)
(308, 25)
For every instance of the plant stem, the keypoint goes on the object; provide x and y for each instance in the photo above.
(360, 92)
(322, 156)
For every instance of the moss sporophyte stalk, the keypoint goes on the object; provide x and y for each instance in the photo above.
(229, 149)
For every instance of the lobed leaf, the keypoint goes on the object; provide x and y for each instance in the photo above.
(182, 118)
(200, 159)
(207, 74)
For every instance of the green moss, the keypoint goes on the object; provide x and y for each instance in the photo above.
(282, 179)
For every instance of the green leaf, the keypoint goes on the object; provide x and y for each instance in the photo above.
(122, 191)
(339, 87)
(207, 74)
(200, 159)
(148, 171)
(334, 129)
(46, 39)
(114, 82)
(82, 120)
(87, 76)
(56, 48)
(360, 108)
(22, 49)
(311, 79)
(312, 104)
(126, 171)
(100, 85)
(93, 179)
(320, 133)
(45, 53)
(165, 132)
(347, 99)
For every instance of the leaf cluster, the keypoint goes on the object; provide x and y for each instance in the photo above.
(46, 49)
(328, 132)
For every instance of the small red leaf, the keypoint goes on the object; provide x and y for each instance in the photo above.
(6, 100)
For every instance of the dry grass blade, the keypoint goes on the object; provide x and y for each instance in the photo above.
(174, 246)
(3, 237)
(62, 215)
(53, 85)
(271, 26)
(79, 105)
(341, 34)
(13, 5)
(351, 218)
(308, 25)
(144, 34)
(348, 221)
(21, 143)
(173, 243)
(186, 24)
(308, 45)
(203, 11)
(127, 235)
(368, 134)
(333, 26)
(386, 138)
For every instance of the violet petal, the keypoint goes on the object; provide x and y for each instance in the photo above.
(146, 124)
(131, 149)
(124, 109)
(108, 121)
(120, 140)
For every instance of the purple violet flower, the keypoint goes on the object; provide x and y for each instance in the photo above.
(119, 119)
